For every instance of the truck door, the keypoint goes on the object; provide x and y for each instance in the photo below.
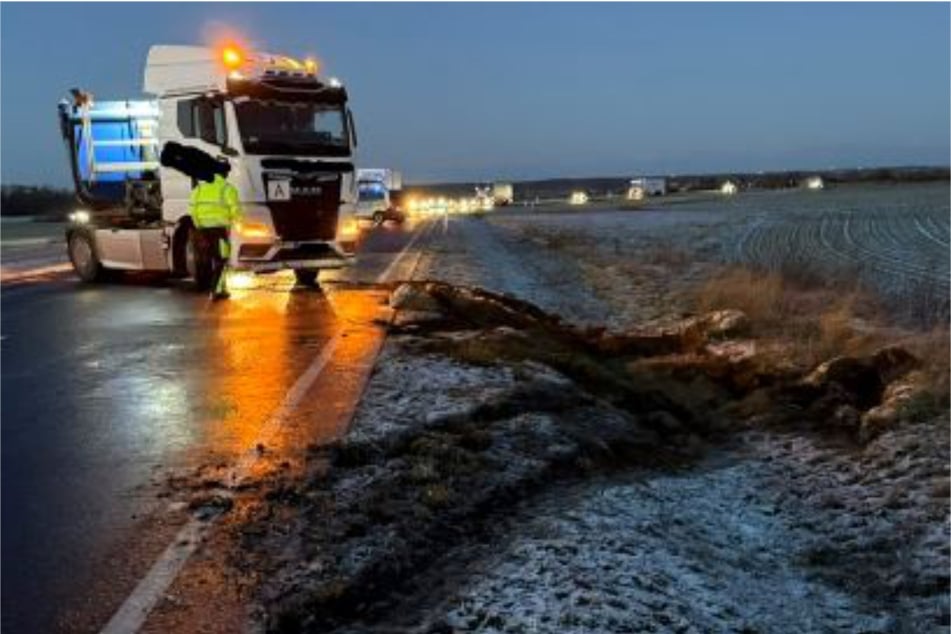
(196, 121)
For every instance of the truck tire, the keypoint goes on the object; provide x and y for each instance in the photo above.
(306, 277)
(82, 254)
(179, 247)
(378, 218)
(197, 262)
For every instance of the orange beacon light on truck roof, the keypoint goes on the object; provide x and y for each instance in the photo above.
(231, 56)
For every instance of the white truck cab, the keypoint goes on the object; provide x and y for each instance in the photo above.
(286, 132)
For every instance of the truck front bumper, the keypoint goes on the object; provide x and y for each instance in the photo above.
(266, 258)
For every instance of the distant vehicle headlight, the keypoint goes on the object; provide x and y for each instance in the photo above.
(80, 216)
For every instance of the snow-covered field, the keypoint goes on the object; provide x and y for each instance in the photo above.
(893, 239)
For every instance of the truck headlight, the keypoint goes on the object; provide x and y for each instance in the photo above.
(240, 280)
(348, 229)
(253, 229)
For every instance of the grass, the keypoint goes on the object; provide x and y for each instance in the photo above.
(805, 314)
(821, 322)
(932, 347)
(828, 321)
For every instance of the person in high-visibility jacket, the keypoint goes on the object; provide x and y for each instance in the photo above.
(215, 208)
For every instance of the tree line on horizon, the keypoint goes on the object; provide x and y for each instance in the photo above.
(703, 182)
(56, 203)
(28, 200)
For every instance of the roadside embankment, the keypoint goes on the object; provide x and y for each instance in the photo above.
(496, 406)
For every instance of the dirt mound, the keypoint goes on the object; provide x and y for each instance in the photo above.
(695, 371)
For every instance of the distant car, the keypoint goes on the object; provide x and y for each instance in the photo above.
(578, 198)
(376, 204)
(391, 214)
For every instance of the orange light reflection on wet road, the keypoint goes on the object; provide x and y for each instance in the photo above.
(264, 339)
(261, 341)
(362, 315)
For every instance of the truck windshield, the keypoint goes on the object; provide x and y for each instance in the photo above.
(276, 127)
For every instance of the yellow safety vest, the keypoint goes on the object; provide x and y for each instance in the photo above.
(215, 204)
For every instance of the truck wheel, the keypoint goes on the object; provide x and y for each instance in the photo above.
(197, 263)
(82, 254)
(378, 218)
(306, 277)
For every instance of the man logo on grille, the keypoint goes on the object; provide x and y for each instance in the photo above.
(306, 191)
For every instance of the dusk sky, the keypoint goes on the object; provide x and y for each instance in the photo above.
(470, 91)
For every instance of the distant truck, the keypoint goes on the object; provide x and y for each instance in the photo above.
(649, 186)
(503, 194)
(380, 195)
(287, 133)
(578, 197)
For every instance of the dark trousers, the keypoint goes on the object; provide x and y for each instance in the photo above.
(217, 249)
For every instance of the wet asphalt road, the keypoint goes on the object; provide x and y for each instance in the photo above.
(105, 389)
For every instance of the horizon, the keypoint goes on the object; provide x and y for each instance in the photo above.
(804, 170)
(721, 88)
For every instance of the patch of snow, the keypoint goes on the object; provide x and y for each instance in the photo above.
(406, 390)
(685, 552)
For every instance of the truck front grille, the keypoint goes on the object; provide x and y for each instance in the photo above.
(311, 213)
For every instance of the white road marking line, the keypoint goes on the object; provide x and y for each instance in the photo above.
(285, 409)
(136, 608)
(132, 614)
(388, 272)
(419, 253)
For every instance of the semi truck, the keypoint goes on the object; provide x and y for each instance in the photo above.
(287, 133)
(379, 195)
(648, 186)
(502, 194)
